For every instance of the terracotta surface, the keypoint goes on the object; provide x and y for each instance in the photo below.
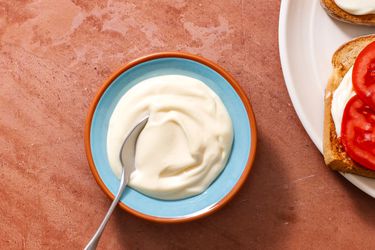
(54, 55)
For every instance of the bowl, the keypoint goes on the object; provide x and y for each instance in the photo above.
(239, 163)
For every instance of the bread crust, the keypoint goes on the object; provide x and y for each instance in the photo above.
(336, 12)
(334, 155)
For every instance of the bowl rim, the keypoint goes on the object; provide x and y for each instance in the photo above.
(240, 92)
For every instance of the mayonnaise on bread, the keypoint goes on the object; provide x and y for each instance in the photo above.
(340, 98)
(357, 7)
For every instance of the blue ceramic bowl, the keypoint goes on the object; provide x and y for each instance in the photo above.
(239, 162)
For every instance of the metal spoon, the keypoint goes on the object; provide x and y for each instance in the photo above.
(127, 158)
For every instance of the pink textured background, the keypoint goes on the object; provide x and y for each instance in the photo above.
(54, 55)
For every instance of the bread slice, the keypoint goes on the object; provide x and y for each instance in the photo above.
(334, 155)
(336, 12)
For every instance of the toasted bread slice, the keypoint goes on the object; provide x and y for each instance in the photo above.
(336, 12)
(334, 155)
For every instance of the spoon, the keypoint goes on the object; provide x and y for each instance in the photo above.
(127, 158)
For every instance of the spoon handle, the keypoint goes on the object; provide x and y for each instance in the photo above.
(95, 239)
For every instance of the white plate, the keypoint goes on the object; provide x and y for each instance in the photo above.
(307, 39)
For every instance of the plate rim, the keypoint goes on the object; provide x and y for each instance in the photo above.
(286, 73)
(282, 37)
(239, 91)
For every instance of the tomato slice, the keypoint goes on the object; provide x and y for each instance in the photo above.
(364, 75)
(358, 132)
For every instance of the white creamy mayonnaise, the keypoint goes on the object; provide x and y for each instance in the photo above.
(357, 7)
(185, 143)
(340, 98)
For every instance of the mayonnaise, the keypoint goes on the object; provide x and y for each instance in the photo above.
(185, 143)
(357, 7)
(340, 98)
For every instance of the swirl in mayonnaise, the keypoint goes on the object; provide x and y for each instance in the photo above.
(186, 142)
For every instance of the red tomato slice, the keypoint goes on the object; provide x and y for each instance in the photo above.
(364, 75)
(358, 132)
